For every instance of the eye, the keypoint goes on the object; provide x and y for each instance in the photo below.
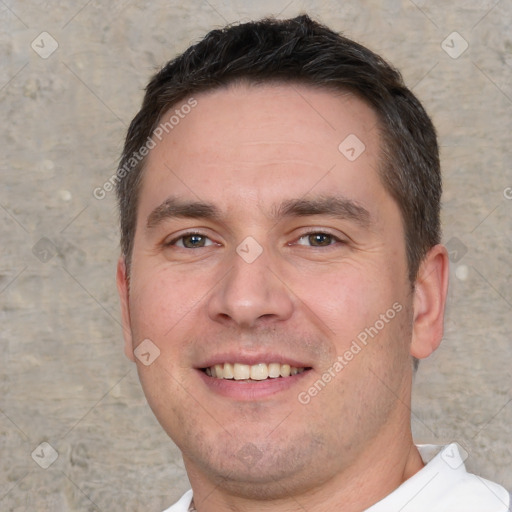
(191, 241)
(317, 239)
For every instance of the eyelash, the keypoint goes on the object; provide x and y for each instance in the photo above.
(334, 238)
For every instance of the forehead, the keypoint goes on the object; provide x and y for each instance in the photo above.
(263, 143)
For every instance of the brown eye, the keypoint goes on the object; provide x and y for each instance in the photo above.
(320, 239)
(317, 239)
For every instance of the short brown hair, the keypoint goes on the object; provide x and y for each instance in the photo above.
(301, 51)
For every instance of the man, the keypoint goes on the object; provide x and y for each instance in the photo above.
(281, 274)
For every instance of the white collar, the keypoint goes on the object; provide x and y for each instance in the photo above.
(443, 485)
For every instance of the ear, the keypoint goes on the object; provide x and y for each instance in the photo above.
(124, 293)
(429, 302)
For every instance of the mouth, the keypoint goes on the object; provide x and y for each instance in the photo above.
(252, 373)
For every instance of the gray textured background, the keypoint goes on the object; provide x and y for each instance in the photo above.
(64, 378)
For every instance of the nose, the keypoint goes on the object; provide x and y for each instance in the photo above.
(251, 294)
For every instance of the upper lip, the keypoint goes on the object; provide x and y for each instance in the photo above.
(251, 359)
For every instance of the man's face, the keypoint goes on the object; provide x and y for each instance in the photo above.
(258, 240)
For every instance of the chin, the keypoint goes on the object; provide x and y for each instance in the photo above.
(260, 472)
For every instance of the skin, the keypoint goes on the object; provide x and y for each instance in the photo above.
(246, 150)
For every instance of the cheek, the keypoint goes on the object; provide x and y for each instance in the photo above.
(348, 298)
(160, 300)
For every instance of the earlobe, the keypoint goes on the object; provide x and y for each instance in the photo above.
(123, 290)
(430, 293)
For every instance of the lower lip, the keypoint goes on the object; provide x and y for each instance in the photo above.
(250, 391)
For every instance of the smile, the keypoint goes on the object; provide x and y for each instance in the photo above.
(255, 372)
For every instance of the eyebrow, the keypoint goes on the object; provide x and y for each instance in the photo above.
(333, 206)
(175, 208)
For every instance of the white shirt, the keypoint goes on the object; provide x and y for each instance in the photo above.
(443, 485)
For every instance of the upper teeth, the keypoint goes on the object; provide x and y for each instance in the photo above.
(259, 371)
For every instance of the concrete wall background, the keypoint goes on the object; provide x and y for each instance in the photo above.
(64, 378)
